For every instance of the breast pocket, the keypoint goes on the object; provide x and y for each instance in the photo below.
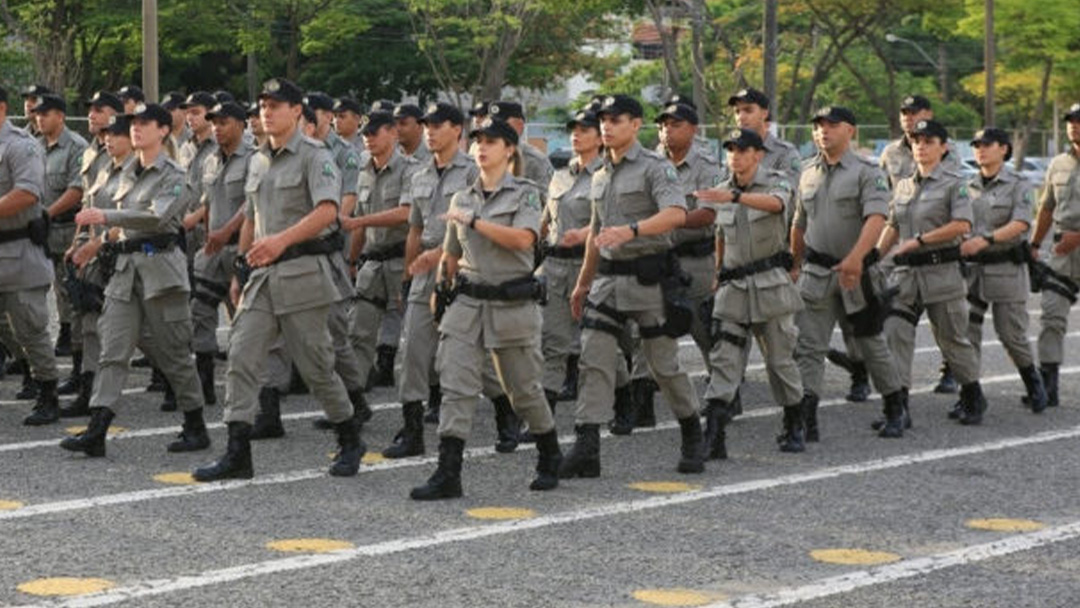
(634, 200)
(807, 198)
(846, 200)
(725, 223)
(999, 213)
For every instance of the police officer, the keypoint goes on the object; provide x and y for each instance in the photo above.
(636, 204)
(348, 115)
(92, 272)
(996, 249)
(193, 155)
(31, 96)
(181, 133)
(411, 132)
(1059, 208)
(290, 287)
(63, 193)
(929, 214)
(841, 210)
(479, 112)
(132, 95)
(751, 111)
(148, 292)
(254, 124)
(537, 166)
(25, 271)
(492, 228)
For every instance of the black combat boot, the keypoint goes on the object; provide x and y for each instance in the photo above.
(268, 420)
(47, 408)
(735, 408)
(879, 424)
(860, 383)
(1049, 373)
(644, 413)
(583, 460)
(893, 426)
(792, 439)
(91, 441)
(297, 386)
(193, 436)
(236, 462)
(552, 399)
(63, 341)
(1036, 392)
(809, 407)
(692, 458)
(973, 403)
(409, 441)
(351, 449)
(157, 381)
(548, 461)
(570, 383)
(29, 388)
(446, 481)
(947, 384)
(433, 404)
(361, 410)
(81, 405)
(70, 385)
(507, 424)
(204, 365)
(383, 374)
(717, 417)
(168, 401)
(623, 422)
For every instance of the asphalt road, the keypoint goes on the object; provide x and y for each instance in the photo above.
(948, 516)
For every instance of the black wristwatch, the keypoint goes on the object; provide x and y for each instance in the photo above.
(634, 229)
(989, 236)
(472, 222)
(736, 194)
(918, 237)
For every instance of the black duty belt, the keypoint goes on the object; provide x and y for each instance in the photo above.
(943, 255)
(781, 259)
(576, 252)
(629, 267)
(149, 245)
(696, 249)
(1018, 254)
(390, 252)
(6, 236)
(525, 288)
(330, 243)
(67, 217)
(825, 260)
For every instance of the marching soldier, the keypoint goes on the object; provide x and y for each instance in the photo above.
(636, 204)
(996, 249)
(537, 167)
(284, 245)
(841, 210)
(25, 270)
(1059, 208)
(181, 133)
(193, 155)
(492, 228)
(751, 110)
(148, 291)
(756, 297)
(31, 97)
(411, 132)
(348, 114)
(929, 213)
(132, 96)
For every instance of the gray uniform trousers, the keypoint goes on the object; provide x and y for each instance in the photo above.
(561, 335)
(1010, 325)
(60, 238)
(949, 324)
(91, 340)
(1055, 322)
(776, 338)
(378, 286)
(29, 316)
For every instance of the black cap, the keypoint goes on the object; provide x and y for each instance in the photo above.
(383, 105)
(743, 139)
(620, 104)
(930, 128)
(154, 112)
(1073, 113)
(230, 109)
(172, 100)
(991, 135)
(131, 92)
(347, 104)
(281, 89)
(914, 103)
(685, 100)
(309, 114)
(253, 108)
(678, 111)
(105, 99)
(749, 95)
(223, 96)
(50, 102)
(36, 90)
(199, 98)
(375, 121)
(835, 114)
(3, 95)
(480, 108)
(443, 112)
(119, 124)
(584, 118)
(505, 110)
(404, 110)
(495, 128)
(319, 101)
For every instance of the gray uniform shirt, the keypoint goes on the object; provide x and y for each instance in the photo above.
(834, 201)
(94, 159)
(223, 184)
(538, 167)
(23, 265)
(192, 158)
(348, 161)
(1062, 196)
(697, 171)
(1008, 196)
(421, 154)
(383, 189)
(569, 206)
(898, 161)
(782, 155)
(63, 164)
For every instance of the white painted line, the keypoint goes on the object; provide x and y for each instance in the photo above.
(207, 578)
(908, 568)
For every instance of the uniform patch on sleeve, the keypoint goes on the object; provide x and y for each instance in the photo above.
(533, 200)
(177, 189)
(796, 164)
(964, 192)
(352, 162)
(881, 185)
(672, 176)
(783, 185)
(1029, 197)
(328, 169)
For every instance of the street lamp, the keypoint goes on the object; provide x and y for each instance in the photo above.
(940, 67)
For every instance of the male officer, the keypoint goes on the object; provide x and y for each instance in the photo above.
(841, 211)
(131, 95)
(348, 114)
(411, 132)
(25, 271)
(751, 109)
(63, 194)
(31, 96)
(636, 204)
(537, 166)
(181, 133)
(1059, 208)
(193, 155)
(290, 287)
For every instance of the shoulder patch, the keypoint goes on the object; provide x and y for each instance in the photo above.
(352, 162)
(1029, 196)
(796, 164)
(880, 184)
(964, 191)
(177, 189)
(328, 169)
(783, 184)
(672, 176)
(533, 200)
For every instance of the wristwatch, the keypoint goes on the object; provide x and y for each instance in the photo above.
(989, 236)
(736, 194)
(634, 229)
(918, 237)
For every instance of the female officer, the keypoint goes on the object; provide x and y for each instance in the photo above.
(149, 289)
(488, 251)
(930, 212)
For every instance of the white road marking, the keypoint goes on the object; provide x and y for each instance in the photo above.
(207, 578)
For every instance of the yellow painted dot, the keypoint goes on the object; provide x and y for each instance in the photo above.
(75, 430)
(65, 586)
(178, 478)
(854, 557)
(10, 505)
(1001, 524)
(373, 457)
(500, 513)
(664, 487)
(677, 597)
(309, 545)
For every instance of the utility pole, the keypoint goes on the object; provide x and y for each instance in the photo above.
(150, 50)
(698, 34)
(769, 35)
(988, 60)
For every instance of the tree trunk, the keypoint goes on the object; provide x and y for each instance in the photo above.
(672, 75)
(1036, 115)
